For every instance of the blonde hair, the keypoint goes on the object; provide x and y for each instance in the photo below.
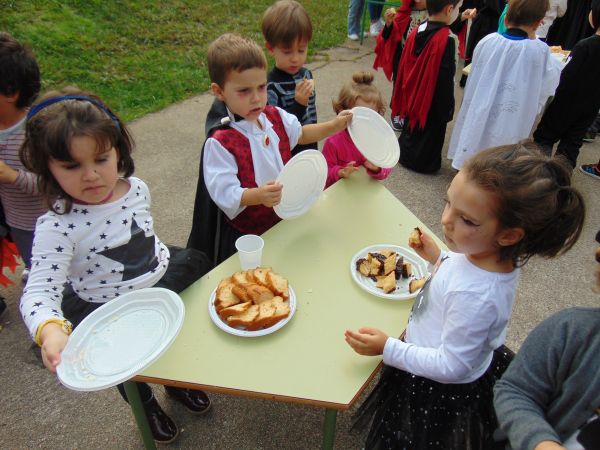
(231, 52)
(361, 87)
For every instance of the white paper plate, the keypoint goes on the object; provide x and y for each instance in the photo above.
(303, 179)
(374, 137)
(419, 270)
(120, 339)
(243, 333)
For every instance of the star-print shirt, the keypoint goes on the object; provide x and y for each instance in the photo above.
(103, 251)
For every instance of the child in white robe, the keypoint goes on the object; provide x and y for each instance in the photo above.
(513, 75)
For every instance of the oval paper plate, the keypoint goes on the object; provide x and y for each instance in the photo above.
(374, 137)
(120, 339)
(419, 270)
(244, 333)
(303, 179)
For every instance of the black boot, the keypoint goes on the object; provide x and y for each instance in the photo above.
(195, 401)
(164, 430)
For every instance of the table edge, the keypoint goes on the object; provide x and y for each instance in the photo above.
(262, 395)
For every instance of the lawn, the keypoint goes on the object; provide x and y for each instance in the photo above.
(141, 56)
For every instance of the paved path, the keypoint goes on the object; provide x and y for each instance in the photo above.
(37, 412)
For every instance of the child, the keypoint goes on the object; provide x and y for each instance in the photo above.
(557, 9)
(248, 143)
(577, 99)
(513, 75)
(355, 10)
(341, 154)
(506, 205)
(19, 194)
(287, 30)
(97, 241)
(573, 26)
(424, 90)
(550, 395)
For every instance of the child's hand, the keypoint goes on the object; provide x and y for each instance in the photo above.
(347, 171)
(342, 120)
(53, 340)
(389, 16)
(368, 341)
(429, 251)
(7, 174)
(304, 89)
(468, 14)
(372, 167)
(269, 194)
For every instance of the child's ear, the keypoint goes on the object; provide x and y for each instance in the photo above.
(217, 91)
(269, 47)
(510, 236)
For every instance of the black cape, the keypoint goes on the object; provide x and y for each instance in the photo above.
(211, 232)
(574, 26)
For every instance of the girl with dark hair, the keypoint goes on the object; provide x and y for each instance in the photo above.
(435, 391)
(97, 241)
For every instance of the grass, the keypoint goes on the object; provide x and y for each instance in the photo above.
(141, 56)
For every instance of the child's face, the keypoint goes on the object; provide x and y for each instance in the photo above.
(91, 176)
(289, 59)
(244, 93)
(469, 221)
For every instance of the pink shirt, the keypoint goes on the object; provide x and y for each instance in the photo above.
(339, 150)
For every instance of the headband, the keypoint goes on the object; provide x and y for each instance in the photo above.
(51, 101)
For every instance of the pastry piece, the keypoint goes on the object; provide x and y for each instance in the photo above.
(260, 275)
(266, 310)
(389, 283)
(415, 284)
(239, 277)
(225, 297)
(278, 284)
(363, 266)
(406, 269)
(376, 265)
(245, 319)
(399, 265)
(390, 264)
(379, 281)
(282, 310)
(252, 292)
(414, 240)
(234, 310)
(387, 253)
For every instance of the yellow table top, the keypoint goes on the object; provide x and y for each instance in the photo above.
(306, 361)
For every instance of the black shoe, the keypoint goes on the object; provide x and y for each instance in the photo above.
(195, 401)
(2, 305)
(164, 430)
(397, 123)
(463, 81)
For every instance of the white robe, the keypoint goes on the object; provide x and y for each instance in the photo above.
(509, 83)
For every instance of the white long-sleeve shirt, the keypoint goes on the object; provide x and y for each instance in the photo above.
(457, 322)
(103, 251)
(220, 167)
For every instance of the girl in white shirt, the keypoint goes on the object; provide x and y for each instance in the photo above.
(506, 204)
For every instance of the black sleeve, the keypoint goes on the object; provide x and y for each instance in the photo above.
(573, 71)
(387, 31)
(457, 25)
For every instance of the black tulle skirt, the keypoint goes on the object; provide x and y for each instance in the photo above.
(413, 413)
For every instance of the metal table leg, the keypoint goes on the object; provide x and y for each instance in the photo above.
(329, 429)
(133, 396)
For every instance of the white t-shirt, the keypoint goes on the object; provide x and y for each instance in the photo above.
(457, 321)
(220, 166)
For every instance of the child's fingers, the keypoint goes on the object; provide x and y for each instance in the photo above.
(368, 330)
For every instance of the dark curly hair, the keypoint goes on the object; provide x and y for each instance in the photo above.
(49, 132)
(19, 71)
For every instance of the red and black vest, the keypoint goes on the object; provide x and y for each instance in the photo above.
(253, 219)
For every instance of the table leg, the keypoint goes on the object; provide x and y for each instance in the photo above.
(133, 396)
(329, 429)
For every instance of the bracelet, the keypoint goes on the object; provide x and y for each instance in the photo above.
(66, 326)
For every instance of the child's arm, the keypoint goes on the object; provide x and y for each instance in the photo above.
(7, 174)
(335, 170)
(53, 340)
(367, 342)
(318, 131)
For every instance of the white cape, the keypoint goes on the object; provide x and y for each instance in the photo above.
(509, 84)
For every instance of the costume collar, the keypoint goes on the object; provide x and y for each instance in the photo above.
(515, 34)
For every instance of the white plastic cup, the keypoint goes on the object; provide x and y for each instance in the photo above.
(250, 247)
